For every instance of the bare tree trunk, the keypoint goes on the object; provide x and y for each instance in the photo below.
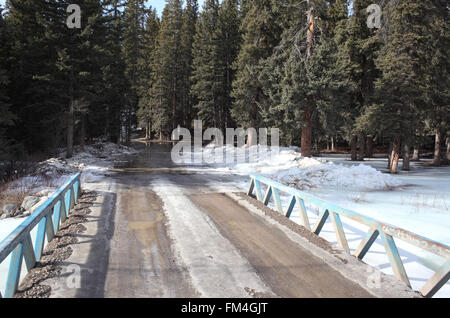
(307, 113)
(150, 129)
(310, 33)
(70, 130)
(83, 132)
(361, 145)
(107, 123)
(328, 144)
(391, 146)
(252, 138)
(147, 129)
(447, 141)
(369, 146)
(405, 166)
(129, 128)
(119, 132)
(353, 151)
(395, 155)
(437, 148)
(415, 156)
(333, 145)
(307, 133)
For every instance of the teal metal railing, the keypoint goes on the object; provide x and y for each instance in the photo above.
(386, 232)
(47, 218)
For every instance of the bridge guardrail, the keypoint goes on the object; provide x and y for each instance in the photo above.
(47, 218)
(386, 231)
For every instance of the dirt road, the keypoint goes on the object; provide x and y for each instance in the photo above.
(156, 231)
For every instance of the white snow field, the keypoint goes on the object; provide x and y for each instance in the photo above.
(417, 201)
(93, 164)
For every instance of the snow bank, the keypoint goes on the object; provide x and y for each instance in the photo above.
(361, 177)
(93, 163)
(289, 167)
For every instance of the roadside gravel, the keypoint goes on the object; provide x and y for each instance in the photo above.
(49, 266)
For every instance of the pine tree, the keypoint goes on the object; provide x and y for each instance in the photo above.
(229, 44)
(79, 61)
(328, 77)
(276, 85)
(6, 117)
(357, 60)
(39, 94)
(402, 61)
(215, 49)
(261, 33)
(115, 83)
(188, 31)
(300, 75)
(206, 87)
(169, 62)
(437, 76)
(89, 112)
(145, 91)
(133, 46)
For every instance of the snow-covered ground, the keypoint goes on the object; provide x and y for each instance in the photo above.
(418, 201)
(93, 163)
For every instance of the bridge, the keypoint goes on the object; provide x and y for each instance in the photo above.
(158, 230)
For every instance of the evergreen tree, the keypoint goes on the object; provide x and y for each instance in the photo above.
(115, 84)
(275, 112)
(437, 76)
(298, 73)
(357, 61)
(328, 78)
(261, 33)
(133, 46)
(6, 117)
(402, 61)
(188, 31)
(206, 86)
(36, 28)
(215, 49)
(89, 110)
(79, 61)
(145, 102)
(169, 70)
(229, 44)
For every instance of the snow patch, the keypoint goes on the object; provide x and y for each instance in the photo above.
(289, 167)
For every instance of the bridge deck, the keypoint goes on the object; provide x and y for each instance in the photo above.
(164, 233)
(289, 269)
